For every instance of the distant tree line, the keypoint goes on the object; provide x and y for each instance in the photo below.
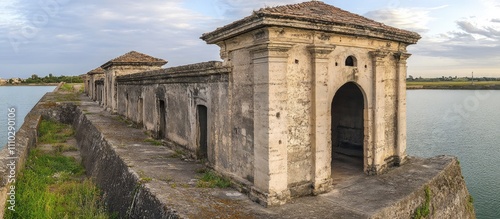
(450, 78)
(52, 79)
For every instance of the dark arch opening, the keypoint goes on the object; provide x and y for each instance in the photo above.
(348, 127)
(350, 61)
(202, 132)
(140, 111)
(162, 117)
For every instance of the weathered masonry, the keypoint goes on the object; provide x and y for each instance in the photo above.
(93, 87)
(298, 86)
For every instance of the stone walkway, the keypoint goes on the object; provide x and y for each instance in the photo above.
(173, 181)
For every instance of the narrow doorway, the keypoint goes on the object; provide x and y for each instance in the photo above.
(347, 131)
(162, 117)
(140, 108)
(202, 132)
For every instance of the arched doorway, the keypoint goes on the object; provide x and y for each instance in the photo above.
(347, 129)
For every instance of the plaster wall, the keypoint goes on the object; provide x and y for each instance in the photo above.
(296, 74)
(229, 115)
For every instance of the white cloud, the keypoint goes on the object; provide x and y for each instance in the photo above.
(241, 8)
(414, 19)
(486, 31)
(68, 37)
(12, 17)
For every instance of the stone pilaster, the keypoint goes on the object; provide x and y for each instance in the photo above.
(321, 121)
(108, 81)
(270, 123)
(379, 123)
(401, 105)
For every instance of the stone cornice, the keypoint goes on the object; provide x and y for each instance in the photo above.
(401, 56)
(252, 23)
(108, 65)
(268, 49)
(321, 51)
(186, 71)
(379, 55)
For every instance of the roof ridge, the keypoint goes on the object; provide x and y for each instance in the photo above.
(330, 18)
(97, 70)
(136, 55)
(135, 58)
(317, 3)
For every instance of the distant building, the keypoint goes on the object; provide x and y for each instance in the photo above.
(16, 80)
(300, 86)
(3, 81)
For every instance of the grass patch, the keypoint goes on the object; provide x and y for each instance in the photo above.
(153, 141)
(70, 87)
(210, 179)
(178, 154)
(66, 87)
(51, 186)
(424, 210)
(60, 148)
(51, 132)
(146, 179)
(55, 186)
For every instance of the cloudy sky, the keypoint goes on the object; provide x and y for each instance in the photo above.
(70, 37)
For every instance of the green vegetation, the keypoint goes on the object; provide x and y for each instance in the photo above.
(424, 210)
(451, 79)
(451, 83)
(53, 185)
(35, 79)
(51, 132)
(153, 141)
(210, 179)
(66, 87)
(178, 154)
(470, 204)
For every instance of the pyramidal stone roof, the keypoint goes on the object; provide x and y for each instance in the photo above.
(313, 15)
(98, 70)
(135, 58)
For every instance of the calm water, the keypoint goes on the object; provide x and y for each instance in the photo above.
(23, 98)
(465, 124)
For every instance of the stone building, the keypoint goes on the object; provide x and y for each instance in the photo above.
(129, 63)
(92, 88)
(300, 86)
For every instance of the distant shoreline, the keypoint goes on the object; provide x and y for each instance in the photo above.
(453, 85)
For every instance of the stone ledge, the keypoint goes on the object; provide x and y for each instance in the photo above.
(206, 69)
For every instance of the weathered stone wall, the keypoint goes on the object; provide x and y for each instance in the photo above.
(447, 196)
(182, 89)
(93, 87)
(241, 111)
(12, 164)
(292, 76)
(114, 71)
(123, 192)
(99, 87)
(126, 195)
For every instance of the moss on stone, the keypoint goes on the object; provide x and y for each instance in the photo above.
(424, 210)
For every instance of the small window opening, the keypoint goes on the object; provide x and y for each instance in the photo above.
(350, 61)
